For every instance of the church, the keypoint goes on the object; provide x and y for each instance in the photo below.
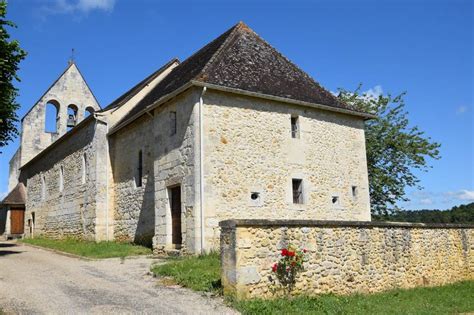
(235, 131)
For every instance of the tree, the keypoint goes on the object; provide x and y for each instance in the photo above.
(394, 149)
(10, 56)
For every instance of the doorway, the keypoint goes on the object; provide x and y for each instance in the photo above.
(17, 219)
(175, 205)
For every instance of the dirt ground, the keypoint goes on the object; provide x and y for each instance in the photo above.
(36, 281)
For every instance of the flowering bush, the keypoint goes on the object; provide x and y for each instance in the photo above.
(286, 269)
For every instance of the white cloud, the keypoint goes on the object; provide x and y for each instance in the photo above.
(3, 195)
(437, 200)
(426, 201)
(79, 6)
(87, 5)
(374, 92)
(461, 109)
(466, 195)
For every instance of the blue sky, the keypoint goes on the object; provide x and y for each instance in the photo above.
(422, 47)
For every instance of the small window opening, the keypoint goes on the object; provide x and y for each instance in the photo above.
(61, 178)
(295, 127)
(51, 117)
(138, 178)
(43, 188)
(255, 196)
(84, 165)
(335, 200)
(173, 126)
(354, 191)
(71, 116)
(297, 191)
(89, 111)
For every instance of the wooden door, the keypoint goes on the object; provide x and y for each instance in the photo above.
(175, 193)
(17, 219)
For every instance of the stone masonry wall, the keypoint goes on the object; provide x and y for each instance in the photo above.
(175, 160)
(248, 148)
(72, 211)
(168, 160)
(134, 213)
(69, 89)
(14, 172)
(345, 257)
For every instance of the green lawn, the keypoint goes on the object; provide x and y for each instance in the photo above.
(450, 299)
(90, 249)
(202, 273)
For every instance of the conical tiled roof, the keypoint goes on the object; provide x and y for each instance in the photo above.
(241, 59)
(16, 197)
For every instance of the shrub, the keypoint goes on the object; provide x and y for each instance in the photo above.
(288, 267)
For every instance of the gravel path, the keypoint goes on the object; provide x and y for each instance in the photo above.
(36, 281)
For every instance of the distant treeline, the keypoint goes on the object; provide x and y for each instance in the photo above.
(457, 214)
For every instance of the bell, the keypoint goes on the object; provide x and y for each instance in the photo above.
(71, 121)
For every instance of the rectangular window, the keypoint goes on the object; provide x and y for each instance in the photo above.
(43, 188)
(138, 177)
(61, 178)
(83, 171)
(297, 191)
(295, 127)
(173, 126)
(354, 192)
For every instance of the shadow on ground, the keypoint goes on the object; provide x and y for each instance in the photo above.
(7, 245)
(8, 252)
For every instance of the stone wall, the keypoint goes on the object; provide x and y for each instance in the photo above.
(14, 170)
(345, 257)
(248, 148)
(143, 213)
(134, 207)
(175, 164)
(69, 89)
(72, 211)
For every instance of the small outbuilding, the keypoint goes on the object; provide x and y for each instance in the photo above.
(12, 213)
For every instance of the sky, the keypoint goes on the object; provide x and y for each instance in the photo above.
(423, 47)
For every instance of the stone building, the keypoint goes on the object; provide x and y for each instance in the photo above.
(235, 131)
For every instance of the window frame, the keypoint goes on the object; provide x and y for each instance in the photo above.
(43, 187)
(173, 123)
(295, 126)
(61, 178)
(139, 174)
(84, 169)
(297, 189)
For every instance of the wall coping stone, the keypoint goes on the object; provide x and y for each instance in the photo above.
(328, 223)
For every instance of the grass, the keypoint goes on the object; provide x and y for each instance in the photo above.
(450, 299)
(90, 249)
(200, 273)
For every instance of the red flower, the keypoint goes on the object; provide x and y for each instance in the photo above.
(274, 267)
(293, 263)
(291, 254)
(304, 250)
(284, 252)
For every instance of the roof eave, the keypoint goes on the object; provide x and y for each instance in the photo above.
(65, 136)
(151, 107)
(283, 99)
(169, 96)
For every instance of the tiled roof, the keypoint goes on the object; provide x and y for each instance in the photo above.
(139, 86)
(241, 59)
(16, 197)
